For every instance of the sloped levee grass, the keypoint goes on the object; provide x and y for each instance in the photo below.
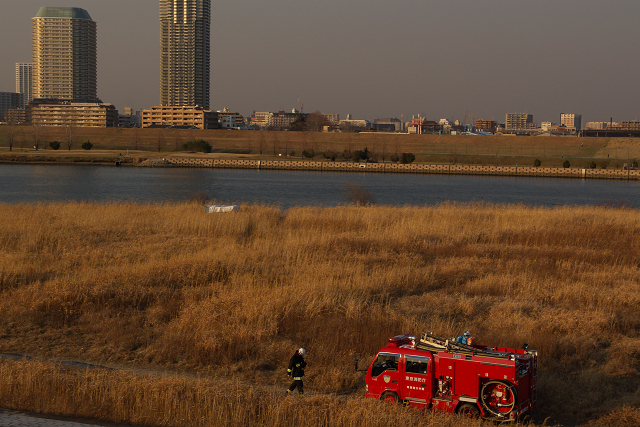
(611, 153)
(229, 297)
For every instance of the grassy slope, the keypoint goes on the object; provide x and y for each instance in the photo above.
(428, 148)
(169, 286)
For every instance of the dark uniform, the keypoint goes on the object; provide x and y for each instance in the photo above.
(296, 370)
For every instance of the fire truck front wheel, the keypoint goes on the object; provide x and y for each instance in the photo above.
(469, 410)
(389, 396)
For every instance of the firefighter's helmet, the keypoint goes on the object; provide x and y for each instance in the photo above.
(301, 352)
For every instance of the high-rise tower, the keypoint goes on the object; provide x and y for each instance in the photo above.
(64, 54)
(185, 44)
(24, 82)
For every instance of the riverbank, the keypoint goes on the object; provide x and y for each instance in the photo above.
(455, 169)
(235, 161)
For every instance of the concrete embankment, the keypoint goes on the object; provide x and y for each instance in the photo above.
(18, 419)
(525, 171)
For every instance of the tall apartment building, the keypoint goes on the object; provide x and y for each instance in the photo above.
(519, 121)
(24, 82)
(185, 45)
(64, 55)
(571, 121)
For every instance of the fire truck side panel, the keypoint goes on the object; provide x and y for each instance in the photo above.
(446, 405)
(465, 379)
(446, 368)
(495, 370)
(524, 386)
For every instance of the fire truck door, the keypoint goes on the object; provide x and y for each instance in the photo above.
(384, 373)
(418, 379)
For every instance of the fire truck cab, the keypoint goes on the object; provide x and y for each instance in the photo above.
(495, 383)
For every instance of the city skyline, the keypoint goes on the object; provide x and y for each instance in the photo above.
(440, 59)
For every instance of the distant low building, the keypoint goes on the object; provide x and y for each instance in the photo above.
(261, 119)
(546, 126)
(283, 120)
(332, 119)
(231, 120)
(280, 120)
(77, 114)
(561, 130)
(447, 126)
(16, 116)
(626, 125)
(185, 116)
(388, 125)
(8, 101)
(130, 119)
(596, 125)
(626, 128)
(488, 126)
(353, 125)
(516, 121)
(573, 122)
(420, 125)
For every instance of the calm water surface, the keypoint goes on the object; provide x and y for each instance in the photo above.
(44, 183)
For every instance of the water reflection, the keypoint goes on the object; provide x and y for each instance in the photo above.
(36, 183)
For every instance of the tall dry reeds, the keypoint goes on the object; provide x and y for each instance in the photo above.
(234, 294)
(171, 400)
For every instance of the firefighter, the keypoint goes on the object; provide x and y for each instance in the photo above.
(462, 339)
(296, 370)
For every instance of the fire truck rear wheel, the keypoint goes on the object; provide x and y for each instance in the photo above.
(469, 410)
(389, 396)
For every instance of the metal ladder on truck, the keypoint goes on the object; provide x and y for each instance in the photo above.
(433, 343)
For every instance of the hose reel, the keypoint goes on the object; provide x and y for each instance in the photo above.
(498, 397)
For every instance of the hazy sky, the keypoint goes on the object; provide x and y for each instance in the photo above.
(453, 59)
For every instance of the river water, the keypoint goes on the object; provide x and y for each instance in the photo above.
(45, 183)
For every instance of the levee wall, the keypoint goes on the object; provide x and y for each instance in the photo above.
(525, 171)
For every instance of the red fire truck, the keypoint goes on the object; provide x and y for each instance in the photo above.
(495, 383)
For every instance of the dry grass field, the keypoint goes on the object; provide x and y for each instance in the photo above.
(611, 153)
(221, 301)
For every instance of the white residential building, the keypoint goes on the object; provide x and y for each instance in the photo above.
(24, 82)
